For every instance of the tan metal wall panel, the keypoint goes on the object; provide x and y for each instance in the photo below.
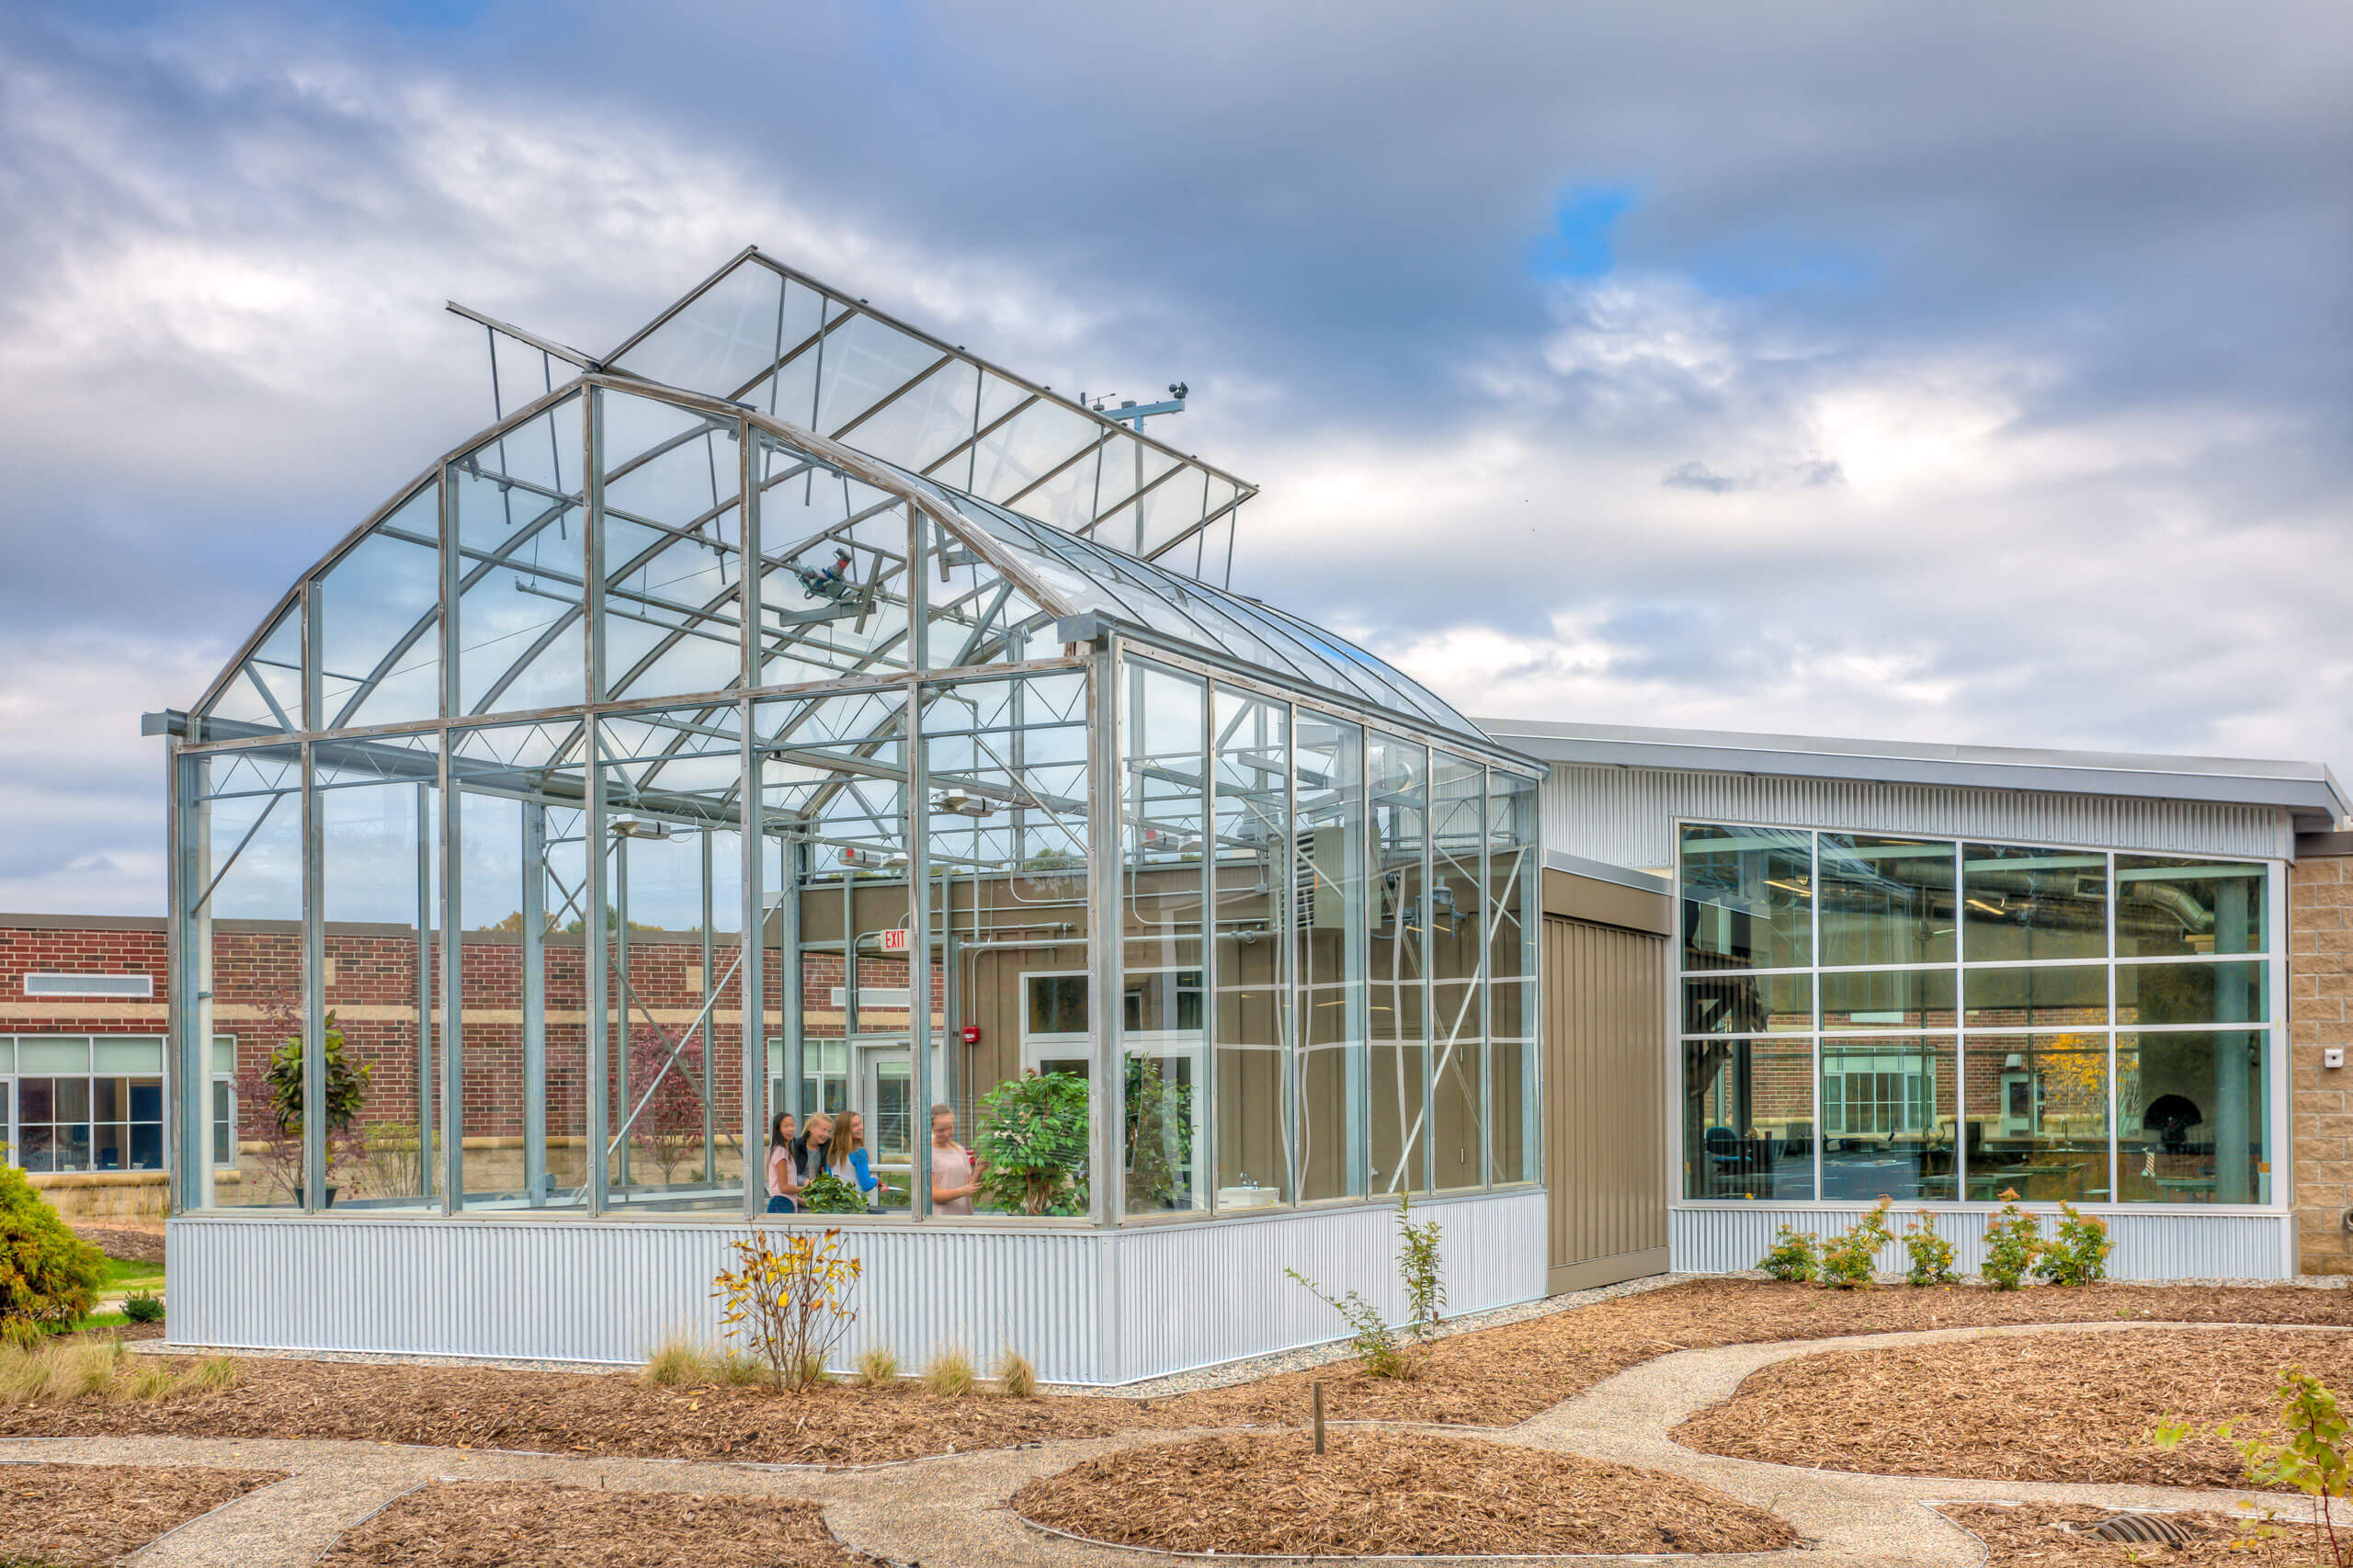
(1605, 991)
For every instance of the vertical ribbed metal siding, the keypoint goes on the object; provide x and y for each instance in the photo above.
(1604, 1111)
(1194, 1295)
(2148, 1247)
(1626, 815)
(578, 1290)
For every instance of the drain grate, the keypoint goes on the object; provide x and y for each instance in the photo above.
(2152, 1528)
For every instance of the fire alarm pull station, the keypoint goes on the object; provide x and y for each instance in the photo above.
(894, 938)
(971, 1034)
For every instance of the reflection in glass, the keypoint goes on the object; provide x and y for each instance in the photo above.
(1458, 843)
(1887, 999)
(2190, 1119)
(1397, 774)
(1886, 900)
(1254, 907)
(2166, 906)
(1163, 719)
(1735, 1003)
(1889, 1117)
(1748, 898)
(1748, 1128)
(2032, 904)
(2028, 996)
(1514, 899)
(2037, 1106)
(2193, 993)
(1329, 962)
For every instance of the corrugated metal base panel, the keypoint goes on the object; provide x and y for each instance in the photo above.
(1084, 1307)
(2148, 1247)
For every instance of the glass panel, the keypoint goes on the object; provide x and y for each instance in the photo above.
(379, 816)
(246, 894)
(2051, 997)
(1514, 893)
(71, 1054)
(1748, 1004)
(1886, 900)
(1329, 957)
(1458, 846)
(2193, 993)
(2037, 1106)
(2171, 906)
(833, 599)
(113, 1053)
(2033, 903)
(1748, 1124)
(1256, 905)
(379, 621)
(1889, 1111)
(1748, 898)
(1397, 791)
(1888, 999)
(2191, 1122)
(521, 535)
(672, 537)
(224, 1127)
(1163, 721)
(728, 337)
(265, 695)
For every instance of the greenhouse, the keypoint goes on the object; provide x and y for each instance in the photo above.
(791, 712)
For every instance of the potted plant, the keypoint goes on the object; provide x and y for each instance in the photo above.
(1032, 1145)
(345, 1092)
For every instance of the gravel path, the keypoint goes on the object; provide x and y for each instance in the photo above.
(948, 1511)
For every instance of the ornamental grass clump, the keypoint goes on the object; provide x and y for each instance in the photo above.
(948, 1374)
(1931, 1254)
(2013, 1242)
(878, 1366)
(61, 1372)
(2078, 1254)
(1796, 1256)
(1015, 1378)
(1847, 1263)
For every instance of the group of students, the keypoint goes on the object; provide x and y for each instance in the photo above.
(830, 1147)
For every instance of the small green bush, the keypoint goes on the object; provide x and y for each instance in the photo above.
(1032, 1145)
(2013, 1241)
(1847, 1263)
(49, 1276)
(2078, 1254)
(1795, 1258)
(829, 1194)
(1374, 1342)
(1931, 1254)
(1418, 1268)
(143, 1306)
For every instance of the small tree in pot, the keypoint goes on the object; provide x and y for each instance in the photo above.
(280, 1089)
(1032, 1145)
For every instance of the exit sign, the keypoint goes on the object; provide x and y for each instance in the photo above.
(896, 937)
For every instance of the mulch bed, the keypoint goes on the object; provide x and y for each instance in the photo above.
(530, 1524)
(2035, 1534)
(2044, 1407)
(123, 1241)
(1387, 1492)
(79, 1516)
(1491, 1377)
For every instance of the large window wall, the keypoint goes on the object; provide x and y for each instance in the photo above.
(1946, 1020)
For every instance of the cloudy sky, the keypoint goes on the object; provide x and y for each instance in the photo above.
(1976, 373)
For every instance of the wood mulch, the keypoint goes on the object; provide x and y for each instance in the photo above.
(2033, 1535)
(130, 1244)
(1493, 1377)
(537, 1524)
(2045, 1407)
(79, 1516)
(1386, 1492)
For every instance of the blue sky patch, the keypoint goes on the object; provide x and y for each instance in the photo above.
(1579, 245)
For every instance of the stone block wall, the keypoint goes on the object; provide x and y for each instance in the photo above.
(2320, 1015)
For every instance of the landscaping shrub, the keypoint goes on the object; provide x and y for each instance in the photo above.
(143, 1306)
(1795, 1258)
(2013, 1241)
(791, 1302)
(49, 1276)
(878, 1366)
(1015, 1378)
(58, 1372)
(2308, 1450)
(948, 1374)
(679, 1361)
(1032, 1145)
(829, 1194)
(1847, 1263)
(1931, 1254)
(1417, 1265)
(2078, 1254)
(1374, 1342)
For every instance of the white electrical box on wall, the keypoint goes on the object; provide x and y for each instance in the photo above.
(2333, 1057)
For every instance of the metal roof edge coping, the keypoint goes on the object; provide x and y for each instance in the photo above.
(2307, 789)
(1603, 871)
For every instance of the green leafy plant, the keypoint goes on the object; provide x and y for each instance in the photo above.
(1417, 1265)
(1796, 1256)
(791, 1302)
(1032, 1145)
(1373, 1341)
(1931, 1254)
(49, 1276)
(2013, 1241)
(143, 1306)
(1847, 1263)
(2078, 1254)
(2307, 1450)
(1159, 1135)
(826, 1193)
(347, 1084)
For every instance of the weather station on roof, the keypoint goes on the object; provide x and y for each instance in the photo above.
(790, 712)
